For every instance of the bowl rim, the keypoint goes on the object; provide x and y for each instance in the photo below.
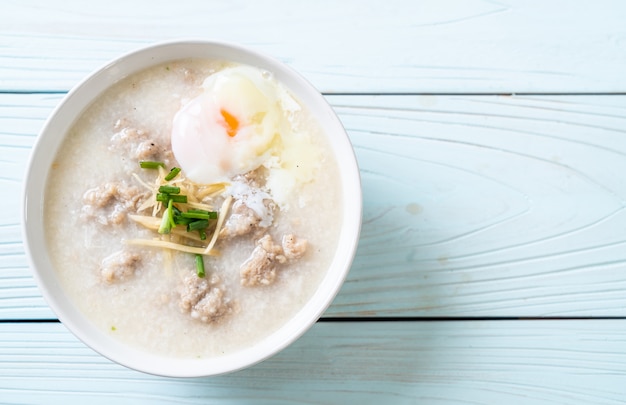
(54, 131)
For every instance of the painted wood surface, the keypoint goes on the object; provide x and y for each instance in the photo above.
(473, 205)
(451, 46)
(476, 362)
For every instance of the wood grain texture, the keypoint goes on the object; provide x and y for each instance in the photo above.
(483, 206)
(450, 46)
(21, 118)
(513, 362)
(473, 205)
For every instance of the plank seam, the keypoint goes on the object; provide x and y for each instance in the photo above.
(356, 319)
(465, 318)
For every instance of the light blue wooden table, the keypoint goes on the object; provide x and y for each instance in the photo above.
(491, 137)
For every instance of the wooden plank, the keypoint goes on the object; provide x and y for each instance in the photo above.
(473, 205)
(431, 46)
(476, 362)
(21, 118)
(483, 206)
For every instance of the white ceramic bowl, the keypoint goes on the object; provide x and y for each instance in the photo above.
(51, 138)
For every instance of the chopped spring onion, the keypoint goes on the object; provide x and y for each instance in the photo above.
(167, 222)
(170, 213)
(199, 224)
(180, 220)
(165, 198)
(199, 214)
(169, 189)
(165, 226)
(195, 219)
(178, 198)
(200, 266)
(173, 173)
(148, 164)
(198, 211)
(154, 223)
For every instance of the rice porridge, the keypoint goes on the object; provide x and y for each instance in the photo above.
(193, 208)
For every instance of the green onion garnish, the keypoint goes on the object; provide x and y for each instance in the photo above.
(177, 198)
(169, 189)
(173, 173)
(166, 225)
(182, 221)
(165, 198)
(148, 164)
(212, 214)
(199, 214)
(170, 213)
(202, 234)
(200, 266)
(167, 221)
(199, 224)
(198, 211)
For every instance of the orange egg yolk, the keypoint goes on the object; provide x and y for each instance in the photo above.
(232, 124)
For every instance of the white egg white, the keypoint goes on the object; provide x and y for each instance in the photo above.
(230, 127)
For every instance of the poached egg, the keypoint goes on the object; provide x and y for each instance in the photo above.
(230, 128)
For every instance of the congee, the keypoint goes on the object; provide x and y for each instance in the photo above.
(193, 208)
